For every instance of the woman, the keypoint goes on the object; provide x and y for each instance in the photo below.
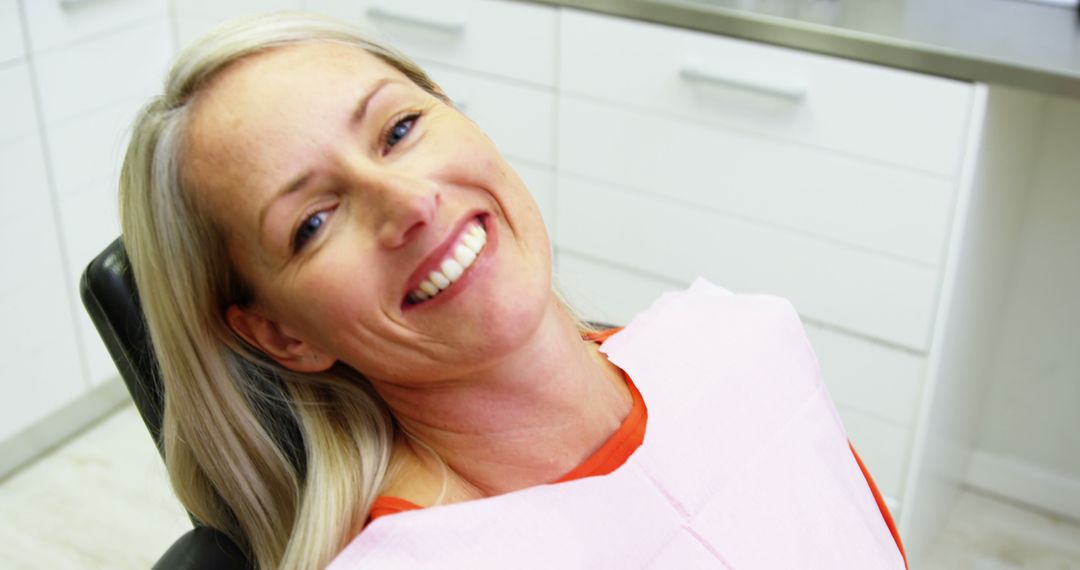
(306, 208)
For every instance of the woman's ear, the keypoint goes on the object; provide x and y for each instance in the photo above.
(267, 336)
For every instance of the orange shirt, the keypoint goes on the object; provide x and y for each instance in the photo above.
(617, 449)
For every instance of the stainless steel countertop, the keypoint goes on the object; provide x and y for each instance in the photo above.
(1022, 43)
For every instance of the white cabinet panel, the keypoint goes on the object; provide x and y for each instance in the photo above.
(519, 118)
(541, 183)
(124, 66)
(890, 115)
(881, 297)
(40, 369)
(507, 39)
(865, 204)
(16, 104)
(24, 191)
(869, 377)
(91, 222)
(193, 18)
(90, 147)
(605, 293)
(883, 447)
(53, 23)
(11, 37)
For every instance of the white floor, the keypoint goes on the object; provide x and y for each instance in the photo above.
(103, 501)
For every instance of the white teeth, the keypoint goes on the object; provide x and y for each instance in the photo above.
(462, 256)
(472, 242)
(439, 280)
(451, 269)
(428, 288)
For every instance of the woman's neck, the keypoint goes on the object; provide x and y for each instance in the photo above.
(526, 420)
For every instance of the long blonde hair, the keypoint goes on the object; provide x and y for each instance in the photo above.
(231, 467)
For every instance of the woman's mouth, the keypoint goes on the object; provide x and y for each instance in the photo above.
(459, 258)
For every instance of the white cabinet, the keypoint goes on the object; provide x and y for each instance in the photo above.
(803, 98)
(509, 40)
(65, 105)
(11, 38)
(53, 24)
(830, 182)
(40, 369)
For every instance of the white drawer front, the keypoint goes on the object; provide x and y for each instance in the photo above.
(883, 447)
(16, 104)
(863, 203)
(852, 289)
(880, 381)
(53, 23)
(519, 118)
(541, 183)
(90, 148)
(24, 191)
(507, 39)
(890, 115)
(123, 66)
(868, 377)
(11, 38)
(604, 293)
(193, 18)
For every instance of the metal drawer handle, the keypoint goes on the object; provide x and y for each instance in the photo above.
(386, 13)
(791, 89)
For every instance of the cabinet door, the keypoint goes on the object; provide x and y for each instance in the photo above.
(889, 115)
(40, 368)
(54, 23)
(11, 36)
(519, 118)
(507, 39)
(812, 191)
(852, 289)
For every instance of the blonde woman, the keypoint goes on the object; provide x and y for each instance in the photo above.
(305, 208)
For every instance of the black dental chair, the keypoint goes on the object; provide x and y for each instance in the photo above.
(109, 295)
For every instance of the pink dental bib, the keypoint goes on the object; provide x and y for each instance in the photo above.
(745, 465)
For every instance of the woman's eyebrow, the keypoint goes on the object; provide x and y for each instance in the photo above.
(299, 181)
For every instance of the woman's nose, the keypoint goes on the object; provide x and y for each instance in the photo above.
(407, 204)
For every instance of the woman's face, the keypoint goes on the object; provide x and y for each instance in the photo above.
(340, 186)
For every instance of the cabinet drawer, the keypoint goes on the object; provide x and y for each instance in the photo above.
(90, 148)
(541, 183)
(126, 65)
(16, 104)
(852, 289)
(894, 116)
(11, 38)
(824, 193)
(507, 39)
(519, 118)
(605, 293)
(53, 23)
(861, 375)
(883, 447)
(877, 380)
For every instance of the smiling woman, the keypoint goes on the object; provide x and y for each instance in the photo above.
(305, 208)
(323, 244)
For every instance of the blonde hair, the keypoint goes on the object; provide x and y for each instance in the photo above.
(231, 466)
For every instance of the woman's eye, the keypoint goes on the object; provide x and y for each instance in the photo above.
(401, 129)
(308, 228)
